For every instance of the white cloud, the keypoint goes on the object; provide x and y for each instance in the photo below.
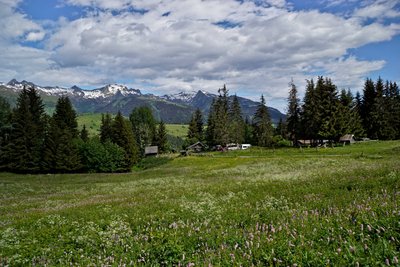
(379, 9)
(177, 45)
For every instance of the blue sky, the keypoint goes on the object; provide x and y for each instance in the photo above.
(254, 46)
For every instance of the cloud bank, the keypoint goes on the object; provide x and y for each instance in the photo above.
(255, 47)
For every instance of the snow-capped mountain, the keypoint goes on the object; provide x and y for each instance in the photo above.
(174, 108)
(104, 92)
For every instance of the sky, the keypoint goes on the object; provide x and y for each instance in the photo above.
(167, 46)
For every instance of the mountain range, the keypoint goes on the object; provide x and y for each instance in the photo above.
(174, 108)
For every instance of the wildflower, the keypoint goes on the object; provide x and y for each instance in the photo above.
(339, 250)
(352, 249)
(369, 228)
(362, 227)
(395, 260)
(387, 262)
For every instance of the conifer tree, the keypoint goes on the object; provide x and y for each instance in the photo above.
(122, 135)
(5, 129)
(367, 106)
(248, 131)
(84, 134)
(221, 125)
(144, 127)
(263, 130)
(61, 152)
(236, 123)
(210, 131)
(310, 116)
(105, 128)
(293, 114)
(195, 131)
(162, 141)
(24, 151)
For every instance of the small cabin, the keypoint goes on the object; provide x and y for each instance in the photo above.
(151, 151)
(197, 147)
(347, 139)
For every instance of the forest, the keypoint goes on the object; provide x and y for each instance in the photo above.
(32, 141)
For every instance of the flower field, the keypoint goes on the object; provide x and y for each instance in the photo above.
(287, 207)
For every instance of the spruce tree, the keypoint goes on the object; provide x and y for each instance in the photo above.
(263, 130)
(24, 151)
(61, 152)
(144, 127)
(236, 123)
(122, 135)
(84, 134)
(195, 131)
(5, 129)
(367, 106)
(105, 128)
(310, 116)
(162, 141)
(221, 124)
(293, 114)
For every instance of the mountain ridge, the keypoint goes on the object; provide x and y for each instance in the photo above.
(173, 108)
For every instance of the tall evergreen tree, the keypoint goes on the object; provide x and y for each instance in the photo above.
(195, 131)
(310, 114)
(221, 124)
(84, 134)
(293, 114)
(162, 141)
(24, 151)
(105, 128)
(211, 121)
(263, 130)
(367, 106)
(122, 135)
(5, 129)
(61, 152)
(144, 127)
(236, 122)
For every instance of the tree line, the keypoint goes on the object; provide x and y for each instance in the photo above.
(324, 114)
(33, 142)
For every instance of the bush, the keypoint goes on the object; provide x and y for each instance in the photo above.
(98, 157)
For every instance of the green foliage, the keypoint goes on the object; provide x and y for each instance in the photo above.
(293, 114)
(84, 134)
(144, 126)
(261, 207)
(101, 157)
(5, 129)
(106, 128)
(236, 122)
(195, 130)
(263, 130)
(122, 135)
(29, 122)
(60, 150)
(161, 139)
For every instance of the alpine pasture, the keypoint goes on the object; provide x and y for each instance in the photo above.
(285, 207)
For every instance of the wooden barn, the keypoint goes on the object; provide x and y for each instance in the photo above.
(347, 139)
(197, 147)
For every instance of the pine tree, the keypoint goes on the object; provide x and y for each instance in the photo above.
(144, 127)
(263, 130)
(236, 123)
(122, 135)
(84, 134)
(105, 128)
(195, 131)
(221, 125)
(162, 141)
(310, 116)
(210, 131)
(61, 152)
(248, 131)
(367, 106)
(24, 151)
(5, 129)
(293, 114)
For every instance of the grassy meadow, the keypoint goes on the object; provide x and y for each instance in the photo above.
(93, 122)
(286, 207)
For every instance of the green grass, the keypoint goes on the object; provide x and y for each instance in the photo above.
(261, 207)
(93, 122)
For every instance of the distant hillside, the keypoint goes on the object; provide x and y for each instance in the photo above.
(112, 98)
